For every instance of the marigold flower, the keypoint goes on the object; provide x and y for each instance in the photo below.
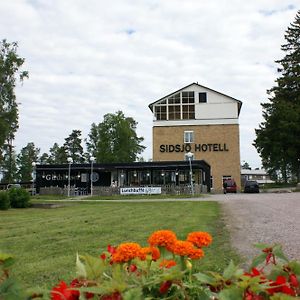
(196, 254)
(162, 238)
(167, 263)
(183, 248)
(153, 251)
(126, 252)
(199, 238)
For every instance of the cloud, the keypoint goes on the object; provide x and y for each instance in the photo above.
(89, 58)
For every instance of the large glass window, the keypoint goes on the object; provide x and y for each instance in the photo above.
(161, 112)
(188, 97)
(188, 112)
(176, 107)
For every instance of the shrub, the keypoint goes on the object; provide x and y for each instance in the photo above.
(19, 198)
(4, 200)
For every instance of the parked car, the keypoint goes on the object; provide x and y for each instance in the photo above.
(251, 186)
(229, 186)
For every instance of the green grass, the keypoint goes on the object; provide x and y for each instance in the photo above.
(45, 241)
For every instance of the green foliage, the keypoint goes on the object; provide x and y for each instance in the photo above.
(25, 158)
(19, 198)
(4, 200)
(58, 155)
(115, 139)
(10, 64)
(277, 139)
(73, 147)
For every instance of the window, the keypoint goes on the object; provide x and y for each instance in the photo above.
(188, 137)
(161, 112)
(188, 97)
(175, 99)
(188, 112)
(174, 112)
(211, 182)
(202, 98)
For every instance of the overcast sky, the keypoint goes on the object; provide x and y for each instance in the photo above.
(87, 58)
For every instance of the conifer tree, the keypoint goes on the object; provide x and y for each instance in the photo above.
(277, 139)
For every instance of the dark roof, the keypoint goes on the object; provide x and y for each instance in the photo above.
(239, 101)
(134, 165)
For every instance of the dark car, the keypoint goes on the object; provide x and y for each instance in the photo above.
(251, 186)
(229, 186)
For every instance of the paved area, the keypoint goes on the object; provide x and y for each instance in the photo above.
(263, 218)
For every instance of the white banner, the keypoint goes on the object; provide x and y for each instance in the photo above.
(140, 190)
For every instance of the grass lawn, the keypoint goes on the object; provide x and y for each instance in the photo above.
(45, 241)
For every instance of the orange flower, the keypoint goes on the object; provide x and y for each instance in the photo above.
(126, 252)
(153, 251)
(183, 248)
(196, 254)
(199, 239)
(162, 238)
(165, 263)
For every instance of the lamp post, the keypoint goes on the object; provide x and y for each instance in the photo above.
(190, 155)
(33, 177)
(70, 160)
(92, 162)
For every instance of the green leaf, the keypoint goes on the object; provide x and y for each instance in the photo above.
(229, 271)
(203, 278)
(5, 256)
(277, 250)
(258, 260)
(295, 266)
(231, 294)
(262, 246)
(133, 294)
(93, 266)
(80, 268)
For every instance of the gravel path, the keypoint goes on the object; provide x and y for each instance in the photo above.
(265, 217)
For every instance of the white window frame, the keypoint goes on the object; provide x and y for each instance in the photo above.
(188, 137)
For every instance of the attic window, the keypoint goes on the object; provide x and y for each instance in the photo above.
(202, 98)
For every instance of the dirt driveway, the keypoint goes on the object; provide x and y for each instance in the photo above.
(265, 217)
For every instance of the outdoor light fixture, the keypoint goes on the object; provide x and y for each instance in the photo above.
(190, 155)
(33, 176)
(70, 160)
(92, 159)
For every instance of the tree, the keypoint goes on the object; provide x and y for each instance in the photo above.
(73, 146)
(277, 138)
(245, 166)
(9, 166)
(115, 139)
(25, 158)
(58, 155)
(10, 64)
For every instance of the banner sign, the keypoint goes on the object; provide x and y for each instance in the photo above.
(140, 190)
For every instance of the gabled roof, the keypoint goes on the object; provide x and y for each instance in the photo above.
(196, 83)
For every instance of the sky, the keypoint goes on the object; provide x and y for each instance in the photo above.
(87, 58)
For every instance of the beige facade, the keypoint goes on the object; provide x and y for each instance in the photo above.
(201, 121)
(218, 145)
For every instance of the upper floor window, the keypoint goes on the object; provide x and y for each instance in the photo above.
(180, 106)
(161, 112)
(188, 137)
(188, 97)
(202, 98)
